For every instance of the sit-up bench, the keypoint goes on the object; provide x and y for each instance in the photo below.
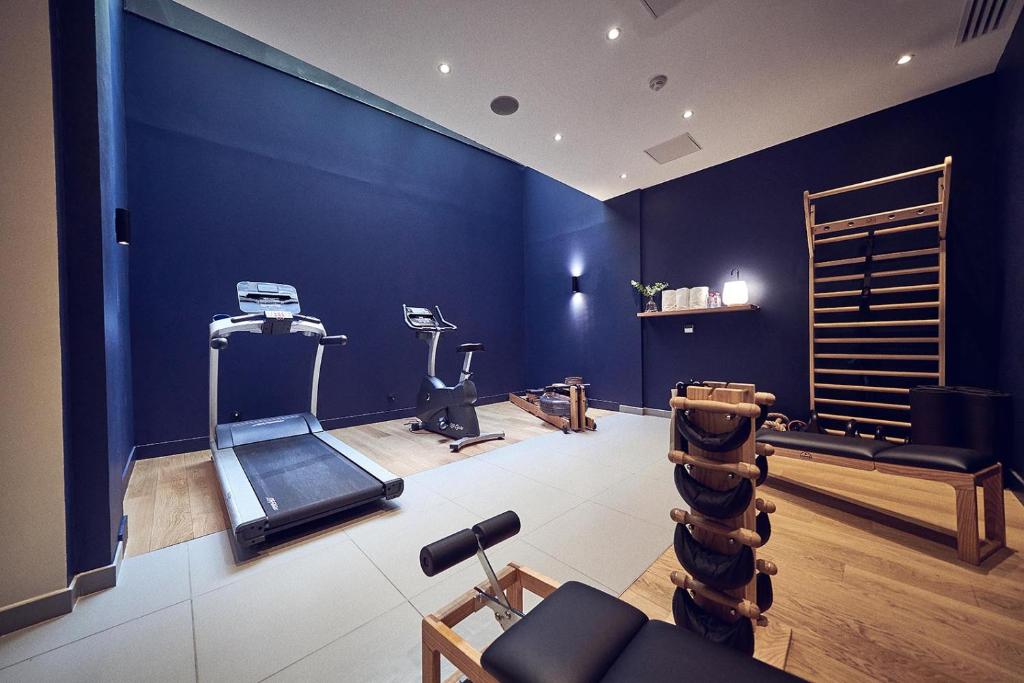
(577, 634)
(962, 468)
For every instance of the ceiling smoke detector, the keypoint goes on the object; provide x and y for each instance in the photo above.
(504, 105)
(658, 82)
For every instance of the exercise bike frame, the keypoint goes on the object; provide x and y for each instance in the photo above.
(439, 420)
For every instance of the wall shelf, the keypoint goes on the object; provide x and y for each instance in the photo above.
(701, 311)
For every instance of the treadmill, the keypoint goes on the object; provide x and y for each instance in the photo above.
(277, 473)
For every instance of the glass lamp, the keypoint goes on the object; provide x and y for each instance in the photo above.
(734, 293)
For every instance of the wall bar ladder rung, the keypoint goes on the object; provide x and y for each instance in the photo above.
(882, 323)
(875, 373)
(863, 404)
(879, 232)
(878, 274)
(878, 307)
(859, 387)
(878, 290)
(881, 218)
(891, 256)
(877, 340)
(937, 168)
(876, 356)
(869, 420)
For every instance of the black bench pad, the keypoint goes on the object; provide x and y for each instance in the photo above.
(937, 458)
(830, 444)
(664, 653)
(572, 636)
(467, 348)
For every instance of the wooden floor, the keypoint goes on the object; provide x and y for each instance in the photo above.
(866, 602)
(176, 498)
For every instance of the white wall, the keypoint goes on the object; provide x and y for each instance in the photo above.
(32, 537)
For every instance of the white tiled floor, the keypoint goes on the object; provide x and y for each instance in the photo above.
(346, 603)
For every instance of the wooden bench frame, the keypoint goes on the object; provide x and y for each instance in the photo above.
(970, 546)
(440, 638)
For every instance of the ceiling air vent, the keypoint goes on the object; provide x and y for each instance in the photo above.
(658, 8)
(982, 17)
(673, 149)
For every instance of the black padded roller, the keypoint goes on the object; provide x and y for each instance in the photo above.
(718, 570)
(765, 594)
(738, 635)
(712, 502)
(448, 552)
(763, 525)
(709, 441)
(762, 464)
(497, 529)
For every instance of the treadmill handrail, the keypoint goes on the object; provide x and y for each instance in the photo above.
(223, 328)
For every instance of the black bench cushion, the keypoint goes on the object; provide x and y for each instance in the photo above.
(664, 653)
(572, 636)
(855, 447)
(937, 458)
(466, 348)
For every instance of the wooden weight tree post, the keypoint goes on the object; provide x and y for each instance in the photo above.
(725, 588)
(876, 302)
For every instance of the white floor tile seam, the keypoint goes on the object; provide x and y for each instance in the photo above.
(301, 548)
(195, 645)
(565, 562)
(333, 640)
(382, 573)
(93, 633)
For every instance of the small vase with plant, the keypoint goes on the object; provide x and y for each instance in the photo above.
(649, 291)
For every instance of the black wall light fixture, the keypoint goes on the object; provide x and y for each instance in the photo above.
(575, 284)
(122, 226)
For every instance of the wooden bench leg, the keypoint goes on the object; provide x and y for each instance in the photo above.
(995, 514)
(967, 539)
(431, 661)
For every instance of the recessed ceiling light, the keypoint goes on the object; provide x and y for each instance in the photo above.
(904, 59)
(623, 176)
(688, 114)
(558, 137)
(614, 33)
(444, 67)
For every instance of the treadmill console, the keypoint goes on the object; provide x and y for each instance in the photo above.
(260, 297)
(421, 317)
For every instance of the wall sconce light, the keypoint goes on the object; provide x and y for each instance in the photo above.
(122, 226)
(575, 284)
(735, 293)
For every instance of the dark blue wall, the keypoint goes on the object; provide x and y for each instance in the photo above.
(89, 128)
(114, 195)
(1010, 158)
(594, 333)
(748, 213)
(239, 172)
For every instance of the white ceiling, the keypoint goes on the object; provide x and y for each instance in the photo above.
(755, 72)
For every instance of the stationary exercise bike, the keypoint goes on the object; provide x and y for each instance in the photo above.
(448, 411)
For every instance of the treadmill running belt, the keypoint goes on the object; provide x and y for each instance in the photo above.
(300, 478)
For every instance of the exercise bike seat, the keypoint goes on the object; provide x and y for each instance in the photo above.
(470, 348)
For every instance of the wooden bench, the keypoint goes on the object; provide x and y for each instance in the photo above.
(961, 468)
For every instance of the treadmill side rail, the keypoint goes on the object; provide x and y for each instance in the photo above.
(393, 484)
(247, 520)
